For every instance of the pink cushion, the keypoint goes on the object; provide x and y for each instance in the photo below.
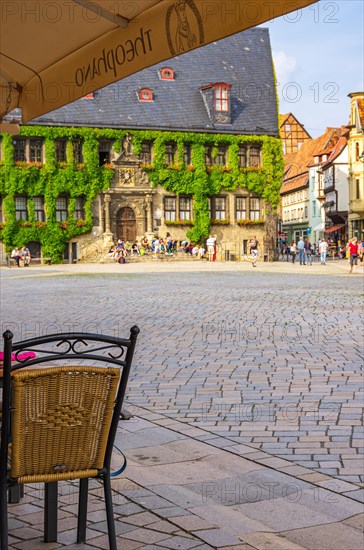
(21, 356)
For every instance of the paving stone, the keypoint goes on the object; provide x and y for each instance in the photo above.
(163, 526)
(356, 521)
(218, 537)
(15, 523)
(143, 518)
(34, 544)
(25, 533)
(192, 523)
(120, 527)
(334, 536)
(172, 511)
(103, 543)
(146, 535)
(180, 542)
(267, 541)
(356, 495)
(128, 509)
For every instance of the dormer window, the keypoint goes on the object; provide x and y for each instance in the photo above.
(216, 98)
(167, 73)
(221, 97)
(146, 94)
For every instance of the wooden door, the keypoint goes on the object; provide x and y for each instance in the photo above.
(126, 225)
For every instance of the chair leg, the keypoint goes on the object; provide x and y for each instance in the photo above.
(82, 510)
(109, 511)
(3, 516)
(50, 511)
(16, 492)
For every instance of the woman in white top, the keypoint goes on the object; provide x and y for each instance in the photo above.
(210, 243)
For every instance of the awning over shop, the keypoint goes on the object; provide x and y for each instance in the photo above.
(319, 227)
(334, 228)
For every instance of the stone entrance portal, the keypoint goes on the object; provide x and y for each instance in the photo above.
(126, 228)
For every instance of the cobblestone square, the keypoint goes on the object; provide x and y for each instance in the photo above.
(269, 358)
(247, 399)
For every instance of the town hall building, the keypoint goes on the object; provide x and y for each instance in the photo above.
(190, 146)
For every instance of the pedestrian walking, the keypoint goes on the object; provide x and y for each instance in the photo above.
(354, 253)
(293, 251)
(361, 250)
(288, 251)
(169, 244)
(215, 249)
(323, 247)
(301, 250)
(308, 252)
(253, 244)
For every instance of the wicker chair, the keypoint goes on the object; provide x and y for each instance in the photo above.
(59, 421)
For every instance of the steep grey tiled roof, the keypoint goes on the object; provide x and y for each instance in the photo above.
(243, 60)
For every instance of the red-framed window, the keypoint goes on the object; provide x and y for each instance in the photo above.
(146, 94)
(166, 73)
(221, 97)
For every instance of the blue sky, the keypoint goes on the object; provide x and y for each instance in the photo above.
(318, 55)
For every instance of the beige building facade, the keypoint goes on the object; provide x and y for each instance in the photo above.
(132, 208)
(356, 166)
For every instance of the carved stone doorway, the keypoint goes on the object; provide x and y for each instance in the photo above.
(126, 224)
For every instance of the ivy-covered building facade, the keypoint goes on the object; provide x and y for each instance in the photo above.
(190, 147)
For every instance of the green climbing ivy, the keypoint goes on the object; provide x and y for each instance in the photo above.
(51, 179)
(202, 182)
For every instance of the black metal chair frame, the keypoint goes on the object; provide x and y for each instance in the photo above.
(79, 346)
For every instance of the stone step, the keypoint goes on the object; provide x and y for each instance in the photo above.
(151, 258)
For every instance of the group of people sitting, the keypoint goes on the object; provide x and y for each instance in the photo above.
(22, 255)
(169, 246)
(192, 249)
(120, 250)
(157, 246)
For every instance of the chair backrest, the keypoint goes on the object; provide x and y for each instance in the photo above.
(63, 417)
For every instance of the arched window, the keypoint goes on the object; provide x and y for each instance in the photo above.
(166, 73)
(145, 94)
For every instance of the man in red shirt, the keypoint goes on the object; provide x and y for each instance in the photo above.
(354, 253)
